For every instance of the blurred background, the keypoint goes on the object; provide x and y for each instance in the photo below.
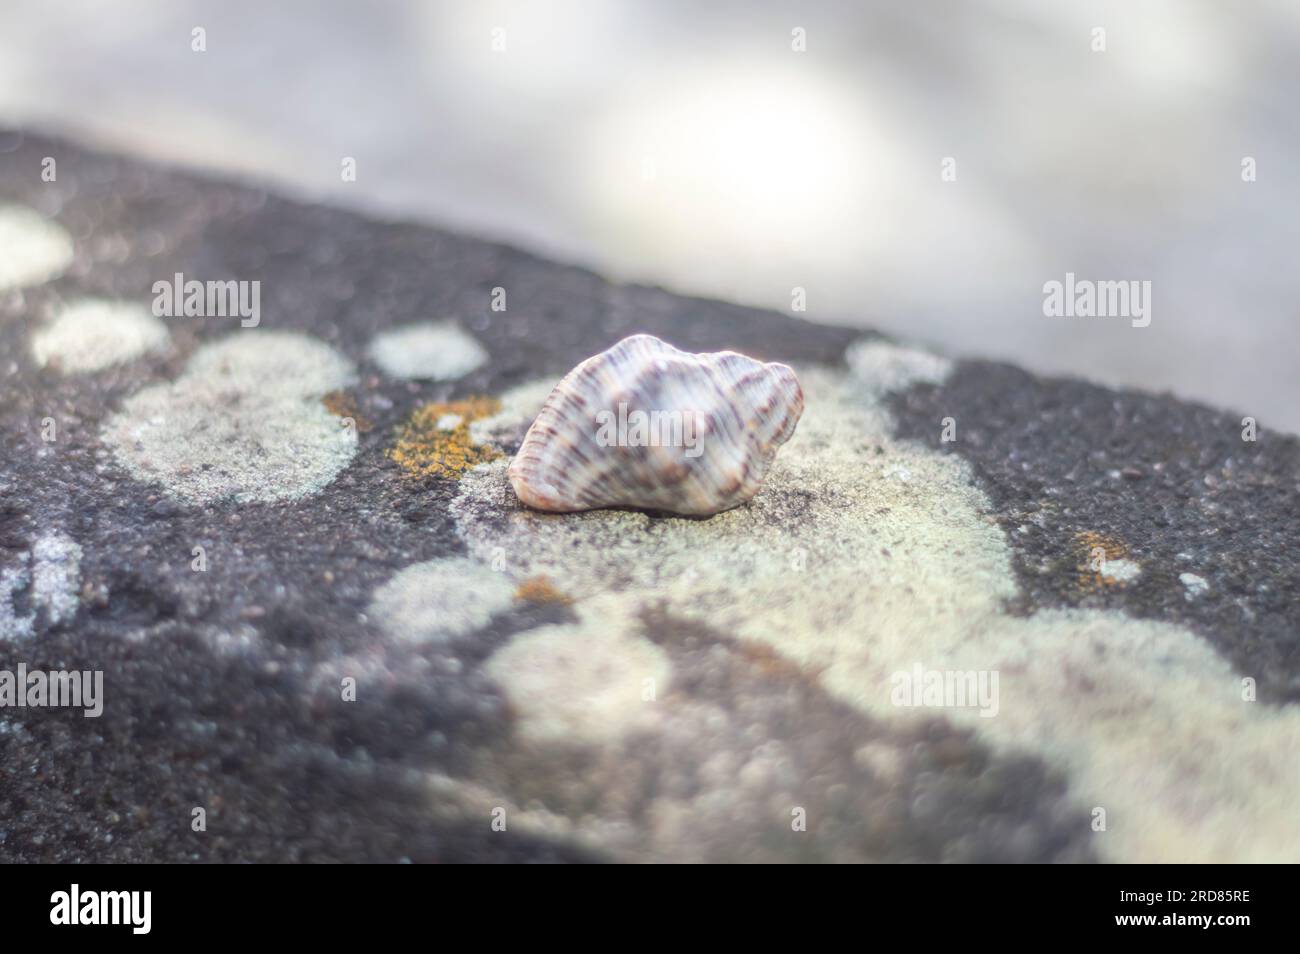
(697, 146)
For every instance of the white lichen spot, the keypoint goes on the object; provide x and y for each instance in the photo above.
(33, 249)
(93, 334)
(440, 599)
(435, 351)
(1195, 585)
(912, 572)
(1121, 571)
(882, 367)
(50, 576)
(56, 576)
(244, 421)
(582, 683)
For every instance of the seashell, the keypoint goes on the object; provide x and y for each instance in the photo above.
(646, 426)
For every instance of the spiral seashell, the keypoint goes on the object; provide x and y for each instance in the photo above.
(646, 426)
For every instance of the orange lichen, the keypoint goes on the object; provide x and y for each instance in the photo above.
(435, 440)
(344, 405)
(540, 589)
(1095, 551)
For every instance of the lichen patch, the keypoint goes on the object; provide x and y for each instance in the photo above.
(1103, 561)
(343, 405)
(244, 422)
(93, 334)
(33, 249)
(589, 682)
(540, 589)
(434, 351)
(439, 600)
(435, 441)
(864, 556)
(49, 577)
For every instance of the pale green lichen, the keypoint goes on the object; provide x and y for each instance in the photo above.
(93, 334)
(244, 421)
(582, 683)
(864, 556)
(434, 351)
(440, 599)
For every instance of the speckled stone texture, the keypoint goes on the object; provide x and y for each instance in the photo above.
(1174, 481)
(222, 687)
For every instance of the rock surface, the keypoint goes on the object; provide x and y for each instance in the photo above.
(235, 524)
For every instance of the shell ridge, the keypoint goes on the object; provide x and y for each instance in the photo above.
(646, 425)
